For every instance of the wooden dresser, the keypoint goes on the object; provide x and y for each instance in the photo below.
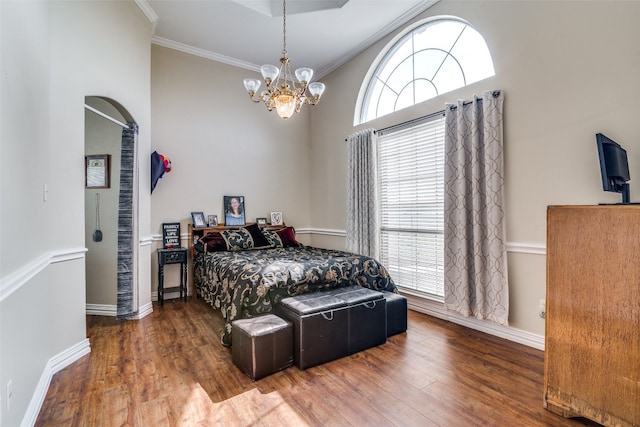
(592, 354)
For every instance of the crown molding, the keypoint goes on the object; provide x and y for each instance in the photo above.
(203, 53)
(149, 13)
(182, 47)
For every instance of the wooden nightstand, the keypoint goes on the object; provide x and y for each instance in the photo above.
(172, 256)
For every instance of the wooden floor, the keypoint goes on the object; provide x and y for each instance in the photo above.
(169, 369)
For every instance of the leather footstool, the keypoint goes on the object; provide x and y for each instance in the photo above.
(396, 313)
(261, 345)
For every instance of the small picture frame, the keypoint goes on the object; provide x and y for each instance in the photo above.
(198, 219)
(233, 210)
(276, 218)
(261, 221)
(212, 220)
(97, 171)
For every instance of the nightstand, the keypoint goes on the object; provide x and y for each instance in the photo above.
(172, 256)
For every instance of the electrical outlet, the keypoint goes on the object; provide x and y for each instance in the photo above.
(9, 394)
(542, 310)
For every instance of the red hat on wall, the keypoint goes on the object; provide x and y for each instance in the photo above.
(160, 165)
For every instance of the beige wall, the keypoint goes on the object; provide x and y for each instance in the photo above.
(568, 71)
(220, 143)
(54, 53)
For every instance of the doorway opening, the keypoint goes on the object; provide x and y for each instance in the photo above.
(111, 209)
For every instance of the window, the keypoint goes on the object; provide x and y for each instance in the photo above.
(426, 61)
(411, 187)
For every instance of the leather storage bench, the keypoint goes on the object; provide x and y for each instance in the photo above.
(396, 313)
(328, 325)
(261, 345)
(367, 317)
(320, 325)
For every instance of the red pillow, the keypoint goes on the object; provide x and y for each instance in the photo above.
(213, 242)
(288, 237)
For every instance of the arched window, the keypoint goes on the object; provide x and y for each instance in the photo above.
(425, 61)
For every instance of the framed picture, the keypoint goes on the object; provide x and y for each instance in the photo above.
(276, 218)
(261, 221)
(198, 219)
(170, 235)
(212, 220)
(97, 171)
(233, 210)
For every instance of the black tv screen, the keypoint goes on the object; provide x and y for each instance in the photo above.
(614, 166)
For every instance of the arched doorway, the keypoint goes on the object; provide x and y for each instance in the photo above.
(111, 210)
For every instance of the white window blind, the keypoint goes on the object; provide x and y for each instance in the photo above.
(411, 186)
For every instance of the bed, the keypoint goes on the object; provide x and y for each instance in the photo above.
(243, 272)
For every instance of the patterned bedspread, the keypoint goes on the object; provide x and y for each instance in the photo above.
(247, 283)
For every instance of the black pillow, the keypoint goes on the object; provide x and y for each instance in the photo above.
(259, 241)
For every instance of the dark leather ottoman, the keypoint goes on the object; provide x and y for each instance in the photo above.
(367, 316)
(396, 313)
(261, 345)
(320, 327)
(331, 324)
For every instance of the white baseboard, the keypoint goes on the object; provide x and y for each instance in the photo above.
(54, 365)
(144, 311)
(436, 309)
(102, 310)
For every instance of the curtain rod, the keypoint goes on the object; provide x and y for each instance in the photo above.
(410, 122)
(101, 114)
(495, 94)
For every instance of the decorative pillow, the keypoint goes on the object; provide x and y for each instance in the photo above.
(237, 240)
(212, 242)
(273, 238)
(288, 237)
(259, 240)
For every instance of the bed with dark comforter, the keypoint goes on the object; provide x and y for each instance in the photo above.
(247, 283)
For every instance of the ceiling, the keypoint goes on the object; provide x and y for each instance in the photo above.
(321, 34)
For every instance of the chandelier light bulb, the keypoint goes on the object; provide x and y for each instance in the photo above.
(252, 85)
(304, 75)
(285, 105)
(269, 72)
(316, 89)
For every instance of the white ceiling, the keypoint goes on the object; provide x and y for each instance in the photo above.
(321, 34)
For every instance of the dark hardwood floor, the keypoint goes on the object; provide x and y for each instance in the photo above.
(169, 369)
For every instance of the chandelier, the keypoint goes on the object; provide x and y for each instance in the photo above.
(281, 91)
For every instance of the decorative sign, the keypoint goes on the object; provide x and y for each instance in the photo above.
(170, 235)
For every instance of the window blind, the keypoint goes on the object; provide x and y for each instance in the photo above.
(411, 202)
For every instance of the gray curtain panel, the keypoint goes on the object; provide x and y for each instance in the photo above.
(475, 281)
(362, 195)
(127, 295)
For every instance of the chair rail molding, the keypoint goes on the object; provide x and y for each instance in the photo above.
(22, 275)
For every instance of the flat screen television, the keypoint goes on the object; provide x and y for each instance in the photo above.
(613, 167)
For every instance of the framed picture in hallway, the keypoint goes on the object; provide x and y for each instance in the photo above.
(97, 172)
